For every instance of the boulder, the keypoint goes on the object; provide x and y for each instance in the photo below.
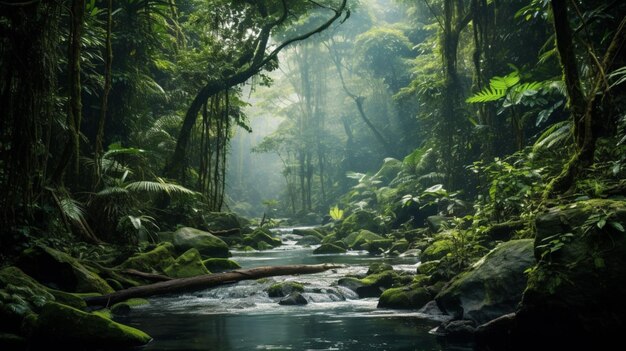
(360, 220)
(206, 243)
(461, 330)
(360, 240)
(376, 247)
(406, 297)
(438, 249)
(575, 293)
(398, 247)
(494, 285)
(189, 264)
(374, 284)
(217, 221)
(124, 308)
(66, 326)
(379, 267)
(153, 261)
(216, 265)
(261, 239)
(328, 249)
(59, 270)
(283, 289)
(293, 299)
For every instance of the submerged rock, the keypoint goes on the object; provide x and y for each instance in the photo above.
(59, 270)
(189, 264)
(206, 243)
(493, 287)
(62, 325)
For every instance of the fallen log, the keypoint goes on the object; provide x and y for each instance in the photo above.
(203, 282)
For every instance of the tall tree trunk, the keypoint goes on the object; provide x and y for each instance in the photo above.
(71, 152)
(105, 95)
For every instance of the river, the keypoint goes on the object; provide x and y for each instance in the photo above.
(241, 316)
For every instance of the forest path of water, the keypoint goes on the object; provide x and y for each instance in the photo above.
(241, 316)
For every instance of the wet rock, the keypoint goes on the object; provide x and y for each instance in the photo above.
(493, 287)
(124, 308)
(216, 265)
(261, 239)
(373, 285)
(406, 297)
(69, 327)
(457, 330)
(59, 270)
(328, 249)
(284, 288)
(379, 267)
(217, 221)
(189, 264)
(295, 298)
(399, 247)
(436, 250)
(359, 240)
(206, 243)
(428, 268)
(153, 261)
(376, 247)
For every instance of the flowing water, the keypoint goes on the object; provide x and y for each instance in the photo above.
(241, 316)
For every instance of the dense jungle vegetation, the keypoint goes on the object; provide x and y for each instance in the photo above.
(472, 133)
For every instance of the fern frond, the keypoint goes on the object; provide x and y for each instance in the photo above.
(486, 95)
(157, 187)
(556, 134)
(112, 190)
(72, 209)
(504, 83)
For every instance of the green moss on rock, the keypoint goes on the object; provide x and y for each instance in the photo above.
(58, 269)
(220, 264)
(67, 326)
(189, 264)
(437, 250)
(123, 308)
(358, 221)
(154, 260)
(309, 232)
(328, 249)
(362, 239)
(261, 235)
(284, 288)
(206, 243)
(409, 297)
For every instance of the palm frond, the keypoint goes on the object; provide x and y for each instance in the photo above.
(72, 209)
(112, 190)
(160, 186)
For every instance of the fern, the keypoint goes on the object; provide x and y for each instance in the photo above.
(157, 187)
(556, 134)
(72, 209)
(486, 95)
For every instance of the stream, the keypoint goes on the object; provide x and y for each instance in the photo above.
(241, 316)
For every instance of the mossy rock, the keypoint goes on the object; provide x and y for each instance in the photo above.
(284, 288)
(261, 235)
(153, 261)
(59, 270)
(114, 284)
(63, 325)
(428, 268)
(12, 277)
(220, 264)
(360, 220)
(374, 284)
(409, 297)
(378, 246)
(248, 248)
(222, 220)
(206, 243)
(189, 264)
(492, 287)
(328, 249)
(123, 308)
(309, 240)
(309, 231)
(332, 237)
(399, 246)
(362, 239)
(379, 267)
(436, 250)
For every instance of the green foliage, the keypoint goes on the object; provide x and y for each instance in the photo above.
(335, 213)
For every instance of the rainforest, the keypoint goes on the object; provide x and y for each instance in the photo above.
(312, 174)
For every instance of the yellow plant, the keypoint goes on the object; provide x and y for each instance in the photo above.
(335, 213)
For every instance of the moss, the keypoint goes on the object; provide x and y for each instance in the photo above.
(330, 238)
(309, 232)
(379, 267)
(262, 246)
(248, 248)
(189, 264)
(428, 268)
(358, 221)
(59, 269)
(104, 313)
(284, 288)
(411, 297)
(378, 246)
(399, 246)
(206, 243)
(261, 235)
(123, 308)
(154, 260)
(328, 249)
(437, 250)
(220, 264)
(114, 284)
(64, 325)
(360, 241)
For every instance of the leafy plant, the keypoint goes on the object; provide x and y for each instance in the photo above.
(336, 214)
